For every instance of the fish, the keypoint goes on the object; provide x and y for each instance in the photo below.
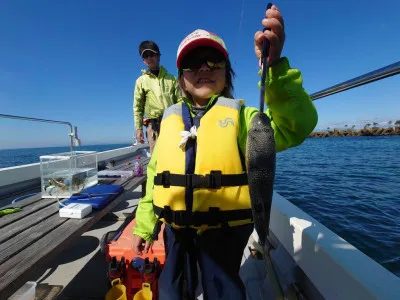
(261, 164)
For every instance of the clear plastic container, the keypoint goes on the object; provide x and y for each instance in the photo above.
(65, 174)
(26, 292)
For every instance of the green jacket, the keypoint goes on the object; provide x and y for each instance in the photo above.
(293, 117)
(153, 94)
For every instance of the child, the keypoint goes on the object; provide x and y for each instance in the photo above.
(154, 91)
(208, 213)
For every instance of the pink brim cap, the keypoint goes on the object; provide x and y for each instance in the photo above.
(200, 38)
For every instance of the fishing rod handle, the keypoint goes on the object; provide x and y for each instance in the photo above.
(265, 48)
(264, 63)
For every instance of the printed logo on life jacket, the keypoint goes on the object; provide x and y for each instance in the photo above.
(226, 122)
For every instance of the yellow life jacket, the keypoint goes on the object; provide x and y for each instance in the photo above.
(203, 184)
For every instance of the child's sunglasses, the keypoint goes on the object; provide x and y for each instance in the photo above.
(195, 65)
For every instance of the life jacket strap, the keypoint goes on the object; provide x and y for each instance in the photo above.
(214, 180)
(213, 217)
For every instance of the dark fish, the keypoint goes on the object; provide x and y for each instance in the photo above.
(261, 159)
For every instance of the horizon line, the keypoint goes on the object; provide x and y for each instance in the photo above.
(66, 146)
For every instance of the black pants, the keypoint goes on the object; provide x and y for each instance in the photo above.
(155, 124)
(219, 254)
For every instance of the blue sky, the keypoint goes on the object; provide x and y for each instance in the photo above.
(77, 61)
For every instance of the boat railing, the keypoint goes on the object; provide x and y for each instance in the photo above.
(74, 140)
(372, 76)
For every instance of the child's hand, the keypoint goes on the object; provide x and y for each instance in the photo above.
(138, 246)
(276, 36)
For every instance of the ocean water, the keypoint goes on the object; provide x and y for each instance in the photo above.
(349, 184)
(352, 186)
(17, 157)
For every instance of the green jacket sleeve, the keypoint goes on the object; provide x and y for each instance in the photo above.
(290, 108)
(145, 217)
(138, 104)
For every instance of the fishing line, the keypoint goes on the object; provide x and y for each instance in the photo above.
(239, 29)
(241, 17)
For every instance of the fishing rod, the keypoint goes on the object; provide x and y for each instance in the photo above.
(264, 64)
(266, 245)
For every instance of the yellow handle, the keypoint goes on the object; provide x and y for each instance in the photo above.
(145, 293)
(117, 291)
(116, 281)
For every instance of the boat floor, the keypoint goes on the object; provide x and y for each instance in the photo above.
(80, 272)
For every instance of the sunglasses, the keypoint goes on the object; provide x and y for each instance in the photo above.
(148, 54)
(212, 65)
(203, 56)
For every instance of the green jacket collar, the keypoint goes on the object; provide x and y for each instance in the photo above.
(163, 72)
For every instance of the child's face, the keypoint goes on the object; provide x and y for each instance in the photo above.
(151, 60)
(204, 74)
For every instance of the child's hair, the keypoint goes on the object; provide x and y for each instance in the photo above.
(148, 45)
(226, 92)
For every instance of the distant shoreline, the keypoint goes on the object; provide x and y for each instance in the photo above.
(374, 131)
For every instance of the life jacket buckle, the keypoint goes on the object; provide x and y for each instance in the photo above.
(214, 179)
(165, 179)
(201, 181)
(209, 181)
(198, 181)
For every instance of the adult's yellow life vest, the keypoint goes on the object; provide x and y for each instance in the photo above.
(202, 184)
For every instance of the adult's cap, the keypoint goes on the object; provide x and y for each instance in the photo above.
(154, 51)
(148, 46)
